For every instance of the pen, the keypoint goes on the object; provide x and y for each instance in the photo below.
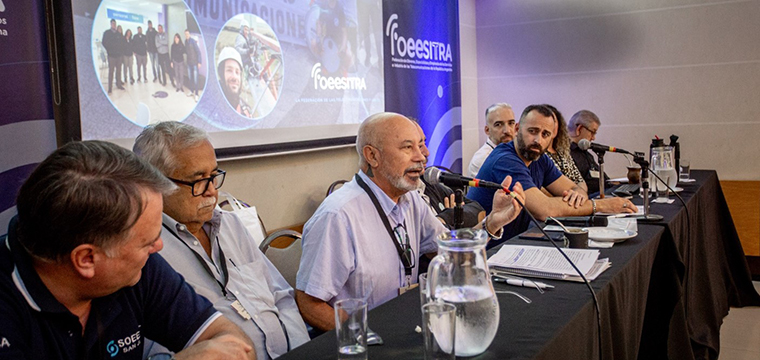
(523, 283)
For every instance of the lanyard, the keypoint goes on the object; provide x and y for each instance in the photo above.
(223, 261)
(405, 254)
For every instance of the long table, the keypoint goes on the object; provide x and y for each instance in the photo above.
(665, 296)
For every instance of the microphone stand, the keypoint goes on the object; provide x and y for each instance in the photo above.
(639, 159)
(458, 209)
(600, 157)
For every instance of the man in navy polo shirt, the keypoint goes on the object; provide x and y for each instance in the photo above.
(525, 160)
(79, 277)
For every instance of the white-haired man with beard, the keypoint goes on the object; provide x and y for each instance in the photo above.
(212, 248)
(365, 238)
(526, 161)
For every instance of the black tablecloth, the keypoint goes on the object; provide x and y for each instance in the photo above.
(643, 302)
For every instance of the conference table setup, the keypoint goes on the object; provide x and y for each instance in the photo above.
(665, 295)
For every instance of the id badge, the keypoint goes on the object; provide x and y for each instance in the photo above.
(594, 173)
(240, 310)
(404, 289)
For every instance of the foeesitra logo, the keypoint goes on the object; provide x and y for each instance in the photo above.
(124, 345)
(433, 52)
(336, 82)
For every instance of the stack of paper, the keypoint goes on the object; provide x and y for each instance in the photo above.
(547, 262)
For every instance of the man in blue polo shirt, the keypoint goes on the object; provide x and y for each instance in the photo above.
(79, 277)
(525, 160)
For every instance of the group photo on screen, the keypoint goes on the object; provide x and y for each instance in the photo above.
(150, 58)
(250, 67)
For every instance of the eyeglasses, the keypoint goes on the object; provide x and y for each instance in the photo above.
(593, 132)
(200, 186)
(402, 237)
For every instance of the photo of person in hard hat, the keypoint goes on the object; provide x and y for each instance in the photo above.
(250, 66)
(229, 69)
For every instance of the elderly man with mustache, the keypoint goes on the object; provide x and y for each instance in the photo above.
(526, 161)
(212, 248)
(365, 239)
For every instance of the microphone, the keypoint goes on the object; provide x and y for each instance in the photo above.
(434, 175)
(584, 145)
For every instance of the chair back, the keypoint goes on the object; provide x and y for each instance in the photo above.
(334, 186)
(286, 259)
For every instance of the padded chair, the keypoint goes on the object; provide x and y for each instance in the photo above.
(285, 258)
(334, 186)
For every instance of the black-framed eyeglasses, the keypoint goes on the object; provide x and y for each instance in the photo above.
(402, 237)
(200, 186)
(593, 132)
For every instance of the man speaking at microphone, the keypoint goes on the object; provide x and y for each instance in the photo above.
(525, 161)
(364, 239)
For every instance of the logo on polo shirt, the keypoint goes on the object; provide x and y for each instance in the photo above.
(124, 345)
(5, 343)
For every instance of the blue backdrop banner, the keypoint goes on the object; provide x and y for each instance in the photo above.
(421, 47)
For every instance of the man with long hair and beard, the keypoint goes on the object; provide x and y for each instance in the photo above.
(525, 160)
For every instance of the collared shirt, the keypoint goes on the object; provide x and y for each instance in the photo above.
(34, 325)
(347, 251)
(276, 325)
(479, 157)
(504, 161)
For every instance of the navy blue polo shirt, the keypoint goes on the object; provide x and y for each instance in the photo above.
(504, 161)
(34, 325)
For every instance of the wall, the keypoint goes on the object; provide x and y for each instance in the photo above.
(287, 189)
(646, 67)
(472, 126)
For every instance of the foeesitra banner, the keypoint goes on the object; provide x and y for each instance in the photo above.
(422, 75)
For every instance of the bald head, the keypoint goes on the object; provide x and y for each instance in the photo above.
(376, 129)
(391, 153)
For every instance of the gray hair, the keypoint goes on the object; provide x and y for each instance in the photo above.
(371, 134)
(583, 117)
(87, 192)
(497, 106)
(159, 143)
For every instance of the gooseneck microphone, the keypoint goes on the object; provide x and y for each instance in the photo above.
(584, 145)
(434, 175)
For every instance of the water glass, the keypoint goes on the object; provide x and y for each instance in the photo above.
(351, 328)
(662, 189)
(685, 169)
(439, 323)
(423, 289)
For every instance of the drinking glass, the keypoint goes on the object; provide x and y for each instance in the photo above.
(439, 322)
(423, 289)
(351, 328)
(685, 169)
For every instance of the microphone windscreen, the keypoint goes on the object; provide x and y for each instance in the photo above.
(431, 175)
(584, 144)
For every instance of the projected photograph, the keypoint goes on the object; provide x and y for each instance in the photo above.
(149, 58)
(249, 65)
(264, 74)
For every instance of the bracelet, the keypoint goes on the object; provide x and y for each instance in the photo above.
(493, 236)
(593, 206)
